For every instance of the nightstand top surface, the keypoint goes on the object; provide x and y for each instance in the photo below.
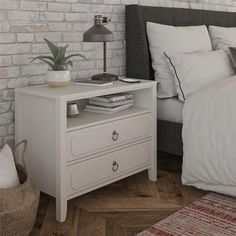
(76, 91)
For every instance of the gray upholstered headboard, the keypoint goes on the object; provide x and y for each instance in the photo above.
(138, 63)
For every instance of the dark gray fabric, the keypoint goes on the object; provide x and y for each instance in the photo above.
(169, 138)
(138, 59)
(233, 58)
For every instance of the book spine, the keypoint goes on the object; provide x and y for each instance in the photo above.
(112, 99)
(100, 99)
(98, 108)
(98, 111)
(116, 99)
(120, 98)
(111, 104)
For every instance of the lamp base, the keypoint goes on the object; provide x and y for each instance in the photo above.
(105, 77)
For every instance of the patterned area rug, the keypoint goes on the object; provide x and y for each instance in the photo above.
(212, 215)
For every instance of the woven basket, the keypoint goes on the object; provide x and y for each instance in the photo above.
(18, 205)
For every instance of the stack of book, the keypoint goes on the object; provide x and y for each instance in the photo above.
(110, 104)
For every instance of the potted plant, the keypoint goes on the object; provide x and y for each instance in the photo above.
(58, 75)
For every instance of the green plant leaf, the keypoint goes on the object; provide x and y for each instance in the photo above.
(56, 66)
(59, 66)
(53, 48)
(66, 47)
(47, 62)
(59, 61)
(43, 57)
(63, 53)
(76, 55)
(62, 67)
(70, 63)
(60, 55)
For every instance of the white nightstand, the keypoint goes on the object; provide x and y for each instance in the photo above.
(68, 157)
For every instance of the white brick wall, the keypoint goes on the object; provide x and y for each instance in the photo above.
(24, 24)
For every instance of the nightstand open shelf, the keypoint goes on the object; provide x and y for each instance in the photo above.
(86, 119)
(68, 157)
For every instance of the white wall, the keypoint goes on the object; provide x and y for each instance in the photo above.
(24, 24)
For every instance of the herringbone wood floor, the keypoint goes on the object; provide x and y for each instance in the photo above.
(123, 208)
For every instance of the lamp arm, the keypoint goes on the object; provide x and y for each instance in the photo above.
(104, 57)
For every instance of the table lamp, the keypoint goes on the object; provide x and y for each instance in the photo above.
(99, 33)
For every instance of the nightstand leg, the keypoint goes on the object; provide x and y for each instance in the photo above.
(61, 210)
(152, 174)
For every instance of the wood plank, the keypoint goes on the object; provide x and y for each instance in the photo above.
(91, 224)
(127, 204)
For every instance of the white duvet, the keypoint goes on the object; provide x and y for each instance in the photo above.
(209, 137)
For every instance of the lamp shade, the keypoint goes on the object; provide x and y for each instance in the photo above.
(98, 32)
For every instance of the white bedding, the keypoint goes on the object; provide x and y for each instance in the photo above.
(171, 39)
(209, 137)
(170, 109)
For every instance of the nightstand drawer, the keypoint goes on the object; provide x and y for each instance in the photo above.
(97, 170)
(93, 139)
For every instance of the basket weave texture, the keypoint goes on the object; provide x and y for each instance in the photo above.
(18, 205)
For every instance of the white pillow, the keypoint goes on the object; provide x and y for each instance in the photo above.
(170, 39)
(222, 37)
(196, 70)
(8, 173)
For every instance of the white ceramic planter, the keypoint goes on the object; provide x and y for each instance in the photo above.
(58, 78)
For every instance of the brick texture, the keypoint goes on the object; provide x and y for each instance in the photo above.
(24, 24)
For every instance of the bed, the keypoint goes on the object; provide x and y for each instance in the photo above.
(138, 60)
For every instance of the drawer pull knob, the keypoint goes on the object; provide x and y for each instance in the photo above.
(115, 166)
(115, 136)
